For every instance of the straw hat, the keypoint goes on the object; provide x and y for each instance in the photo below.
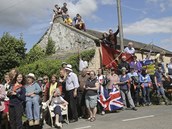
(123, 69)
(69, 67)
(31, 75)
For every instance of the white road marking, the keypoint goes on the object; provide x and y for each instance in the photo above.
(85, 127)
(137, 118)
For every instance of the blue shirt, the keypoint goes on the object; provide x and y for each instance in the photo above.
(132, 74)
(123, 79)
(33, 88)
(145, 80)
(158, 76)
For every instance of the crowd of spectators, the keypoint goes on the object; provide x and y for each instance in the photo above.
(24, 94)
(20, 94)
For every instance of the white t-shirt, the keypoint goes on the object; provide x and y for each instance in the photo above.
(170, 65)
(130, 51)
(82, 64)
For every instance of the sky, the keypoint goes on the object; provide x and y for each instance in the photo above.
(147, 21)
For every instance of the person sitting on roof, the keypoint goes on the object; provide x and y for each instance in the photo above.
(80, 24)
(112, 38)
(105, 39)
(57, 10)
(64, 11)
(68, 20)
(75, 19)
(130, 49)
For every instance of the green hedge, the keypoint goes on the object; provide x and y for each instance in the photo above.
(49, 67)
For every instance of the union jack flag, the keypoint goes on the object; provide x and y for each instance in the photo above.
(111, 101)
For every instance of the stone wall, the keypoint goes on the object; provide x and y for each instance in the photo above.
(67, 39)
(95, 63)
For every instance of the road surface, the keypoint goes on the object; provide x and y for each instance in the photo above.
(151, 117)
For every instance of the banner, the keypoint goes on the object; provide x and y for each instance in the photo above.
(110, 56)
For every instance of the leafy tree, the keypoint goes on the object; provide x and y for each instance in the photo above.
(12, 52)
(36, 53)
(50, 48)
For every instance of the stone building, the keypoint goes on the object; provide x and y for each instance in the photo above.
(69, 40)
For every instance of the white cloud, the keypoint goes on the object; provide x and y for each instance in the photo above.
(162, 4)
(95, 18)
(83, 7)
(153, 1)
(149, 26)
(24, 13)
(108, 2)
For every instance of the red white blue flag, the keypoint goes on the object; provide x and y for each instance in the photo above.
(111, 101)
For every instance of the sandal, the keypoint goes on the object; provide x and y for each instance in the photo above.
(89, 119)
(92, 119)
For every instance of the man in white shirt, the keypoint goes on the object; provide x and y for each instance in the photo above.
(130, 49)
(72, 85)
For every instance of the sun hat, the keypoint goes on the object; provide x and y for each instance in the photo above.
(123, 69)
(31, 75)
(68, 67)
(40, 79)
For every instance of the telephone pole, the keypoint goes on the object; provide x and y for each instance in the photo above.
(120, 24)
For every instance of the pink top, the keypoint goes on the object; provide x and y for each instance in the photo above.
(113, 78)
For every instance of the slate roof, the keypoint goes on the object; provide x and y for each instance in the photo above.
(137, 45)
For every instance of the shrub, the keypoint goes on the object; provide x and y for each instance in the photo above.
(36, 53)
(50, 48)
(49, 67)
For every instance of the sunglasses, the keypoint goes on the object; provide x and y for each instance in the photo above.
(45, 78)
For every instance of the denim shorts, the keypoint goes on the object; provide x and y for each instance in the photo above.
(91, 101)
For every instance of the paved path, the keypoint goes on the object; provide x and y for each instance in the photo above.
(152, 117)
